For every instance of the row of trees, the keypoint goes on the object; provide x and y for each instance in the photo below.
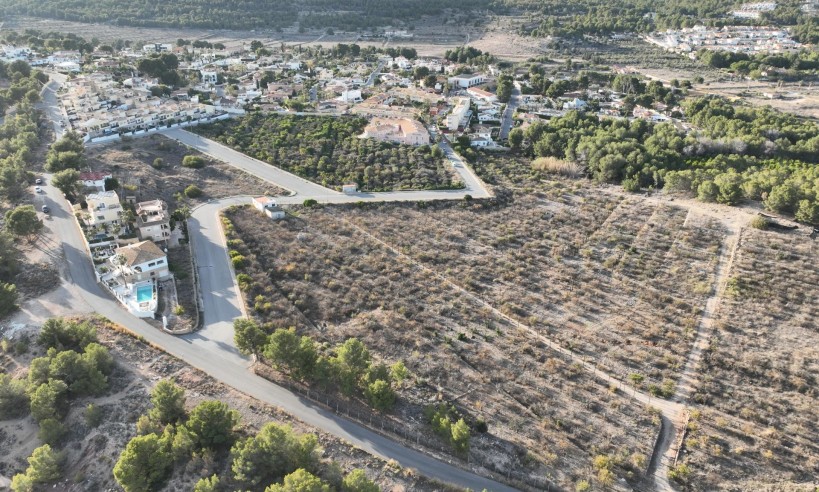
(348, 366)
(329, 151)
(735, 152)
(276, 457)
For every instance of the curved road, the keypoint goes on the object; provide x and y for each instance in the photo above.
(212, 350)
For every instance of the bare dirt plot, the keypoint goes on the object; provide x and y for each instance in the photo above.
(131, 163)
(91, 453)
(759, 377)
(546, 417)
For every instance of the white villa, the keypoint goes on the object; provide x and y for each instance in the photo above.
(132, 274)
(153, 222)
(103, 208)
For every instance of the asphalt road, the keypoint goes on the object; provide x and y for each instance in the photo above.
(51, 107)
(509, 112)
(211, 350)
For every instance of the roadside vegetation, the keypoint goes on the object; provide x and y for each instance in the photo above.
(109, 417)
(20, 142)
(328, 151)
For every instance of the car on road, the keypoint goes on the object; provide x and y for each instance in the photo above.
(38, 181)
(45, 209)
(37, 189)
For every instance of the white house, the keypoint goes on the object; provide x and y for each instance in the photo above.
(482, 95)
(465, 81)
(459, 115)
(268, 206)
(95, 180)
(153, 221)
(103, 208)
(575, 104)
(350, 96)
(209, 77)
(156, 48)
(141, 261)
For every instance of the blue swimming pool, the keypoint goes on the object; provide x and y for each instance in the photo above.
(145, 293)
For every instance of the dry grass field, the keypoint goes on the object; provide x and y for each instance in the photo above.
(759, 378)
(546, 417)
(471, 294)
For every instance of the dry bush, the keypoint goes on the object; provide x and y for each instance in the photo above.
(558, 166)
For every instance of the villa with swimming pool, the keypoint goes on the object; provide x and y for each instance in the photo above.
(131, 274)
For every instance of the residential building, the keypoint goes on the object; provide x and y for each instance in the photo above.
(405, 131)
(482, 95)
(460, 114)
(95, 180)
(209, 77)
(350, 96)
(103, 208)
(575, 103)
(153, 222)
(156, 48)
(465, 81)
(141, 261)
(268, 206)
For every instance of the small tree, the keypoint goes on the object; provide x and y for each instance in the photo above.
(249, 338)
(143, 465)
(23, 221)
(357, 481)
(8, 298)
(193, 161)
(44, 466)
(515, 138)
(380, 395)
(111, 184)
(460, 436)
(168, 400)
(212, 422)
(207, 484)
(300, 481)
(51, 431)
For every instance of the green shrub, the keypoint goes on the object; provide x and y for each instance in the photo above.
(238, 262)
(193, 191)
(193, 162)
(760, 222)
